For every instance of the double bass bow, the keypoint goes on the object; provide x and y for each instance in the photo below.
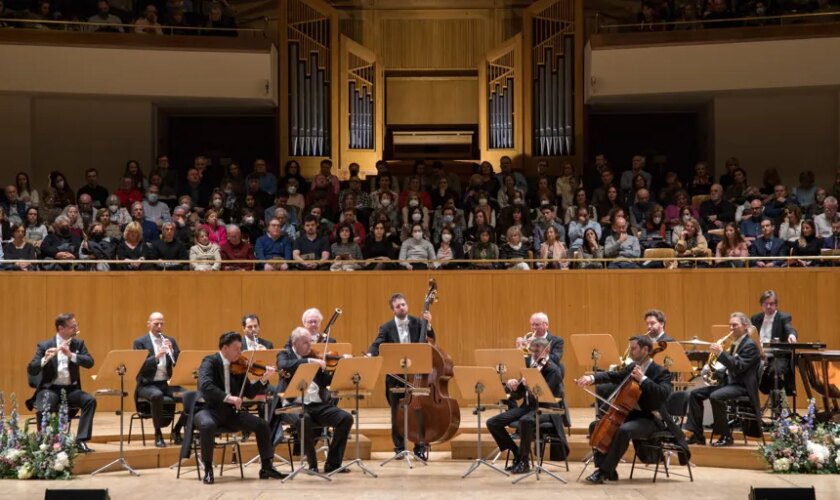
(434, 418)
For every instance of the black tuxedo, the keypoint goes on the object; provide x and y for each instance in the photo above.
(742, 368)
(48, 396)
(525, 414)
(642, 422)
(782, 362)
(324, 413)
(216, 414)
(261, 341)
(388, 334)
(160, 395)
(665, 337)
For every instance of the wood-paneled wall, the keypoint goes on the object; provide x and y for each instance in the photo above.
(476, 309)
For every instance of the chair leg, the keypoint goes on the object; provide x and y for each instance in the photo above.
(195, 454)
(142, 431)
(688, 464)
(239, 454)
(130, 426)
(222, 463)
(633, 466)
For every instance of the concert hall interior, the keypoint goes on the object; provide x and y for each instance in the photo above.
(405, 248)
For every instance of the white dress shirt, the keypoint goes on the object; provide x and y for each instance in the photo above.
(160, 372)
(251, 345)
(767, 327)
(402, 329)
(63, 375)
(226, 364)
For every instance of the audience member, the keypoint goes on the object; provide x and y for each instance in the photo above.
(64, 194)
(548, 220)
(579, 201)
(345, 248)
(732, 245)
(416, 250)
(150, 229)
(702, 181)
(807, 245)
(18, 250)
(691, 243)
(775, 207)
(767, 245)
(87, 213)
(155, 210)
(591, 249)
(169, 249)
(578, 227)
(674, 213)
(637, 168)
(621, 246)
(735, 191)
(716, 211)
(791, 225)
(640, 210)
(148, 24)
(236, 249)
(552, 251)
(204, 254)
(825, 220)
(610, 203)
(14, 207)
(379, 249)
(274, 247)
(806, 191)
(132, 248)
(35, 230)
(26, 193)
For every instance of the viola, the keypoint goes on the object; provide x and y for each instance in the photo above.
(257, 368)
(331, 358)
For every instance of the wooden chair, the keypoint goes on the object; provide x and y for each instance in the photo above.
(662, 253)
(698, 199)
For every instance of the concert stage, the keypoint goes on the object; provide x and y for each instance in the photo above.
(376, 439)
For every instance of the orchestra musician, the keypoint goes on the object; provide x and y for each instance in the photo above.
(655, 323)
(251, 334)
(311, 320)
(539, 330)
(220, 389)
(741, 363)
(776, 326)
(319, 405)
(55, 368)
(655, 384)
(525, 413)
(152, 381)
(403, 329)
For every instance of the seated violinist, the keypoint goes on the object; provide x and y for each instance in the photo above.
(655, 384)
(220, 383)
(318, 403)
(525, 413)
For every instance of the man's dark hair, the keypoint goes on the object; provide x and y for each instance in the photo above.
(62, 319)
(644, 341)
(394, 297)
(229, 338)
(311, 218)
(250, 316)
(768, 295)
(91, 170)
(656, 313)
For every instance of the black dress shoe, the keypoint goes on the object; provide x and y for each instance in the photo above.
(697, 439)
(314, 468)
(328, 469)
(176, 438)
(208, 476)
(83, 447)
(596, 477)
(723, 441)
(612, 476)
(271, 473)
(521, 468)
(422, 453)
(159, 441)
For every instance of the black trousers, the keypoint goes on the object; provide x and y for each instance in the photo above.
(49, 399)
(160, 396)
(717, 396)
(527, 428)
(325, 415)
(209, 421)
(638, 428)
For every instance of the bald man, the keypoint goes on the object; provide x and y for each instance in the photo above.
(152, 382)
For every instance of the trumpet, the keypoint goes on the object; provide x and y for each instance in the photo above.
(58, 349)
(524, 343)
(710, 376)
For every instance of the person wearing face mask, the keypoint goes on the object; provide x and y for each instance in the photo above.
(448, 217)
(249, 226)
(449, 249)
(415, 216)
(61, 244)
(117, 215)
(386, 203)
(155, 210)
(416, 249)
(483, 204)
(654, 230)
(64, 194)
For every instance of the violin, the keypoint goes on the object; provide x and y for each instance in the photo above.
(331, 358)
(256, 368)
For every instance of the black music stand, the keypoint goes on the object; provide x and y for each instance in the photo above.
(300, 382)
(405, 359)
(118, 364)
(479, 379)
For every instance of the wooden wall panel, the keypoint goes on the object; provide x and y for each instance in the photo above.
(431, 100)
(433, 39)
(476, 309)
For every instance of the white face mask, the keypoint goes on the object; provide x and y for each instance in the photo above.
(113, 208)
(292, 189)
(686, 218)
(385, 202)
(446, 237)
(217, 203)
(417, 235)
(413, 203)
(248, 220)
(482, 201)
(657, 220)
(417, 217)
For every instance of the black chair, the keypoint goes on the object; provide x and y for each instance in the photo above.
(144, 412)
(740, 413)
(192, 404)
(661, 445)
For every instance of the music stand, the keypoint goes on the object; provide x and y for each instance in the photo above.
(116, 365)
(479, 380)
(501, 360)
(599, 347)
(676, 361)
(304, 374)
(539, 388)
(355, 377)
(264, 357)
(405, 359)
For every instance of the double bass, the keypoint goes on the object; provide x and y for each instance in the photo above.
(434, 418)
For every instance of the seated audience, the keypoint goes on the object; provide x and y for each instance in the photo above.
(148, 24)
(150, 229)
(716, 211)
(566, 185)
(416, 250)
(654, 230)
(99, 246)
(35, 230)
(25, 192)
(731, 245)
(216, 231)
(345, 248)
(702, 182)
(674, 213)
(622, 246)
(205, 255)
(774, 208)
(611, 202)
(791, 226)
(591, 249)
(805, 192)
(127, 193)
(484, 249)
(579, 225)
(825, 220)
(449, 249)
(169, 249)
(235, 248)
(64, 194)
(580, 201)
(750, 225)
(548, 220)
(18, 250)
(767, 245)
(378, 249)
(807, 245)
(275, 247)
(691, 243)
(61, 243)
(552, 251)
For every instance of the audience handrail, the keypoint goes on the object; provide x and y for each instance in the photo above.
(27, 23)
(433, 264)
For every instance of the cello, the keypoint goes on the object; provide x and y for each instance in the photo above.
(434, 418)
(623, 400)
